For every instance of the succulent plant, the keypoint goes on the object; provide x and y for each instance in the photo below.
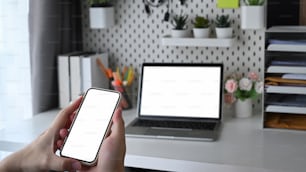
(179, 22)
(201, 22)
(223, 21)
(254, 2)
(100, 3)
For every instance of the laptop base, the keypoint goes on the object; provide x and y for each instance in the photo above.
(171, 133)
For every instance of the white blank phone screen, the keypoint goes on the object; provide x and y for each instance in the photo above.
(90, 125)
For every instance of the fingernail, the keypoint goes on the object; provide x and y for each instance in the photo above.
(76, 166)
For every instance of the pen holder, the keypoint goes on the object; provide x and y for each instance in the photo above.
(125, 102)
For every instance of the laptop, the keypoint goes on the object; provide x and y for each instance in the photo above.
(179, 101)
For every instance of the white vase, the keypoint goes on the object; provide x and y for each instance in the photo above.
(224, 32)
(243, 108)
(252, 17)
(179, 33)
(101, 17)
(201, 32)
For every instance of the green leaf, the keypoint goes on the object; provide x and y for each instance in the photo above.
(242, 94)
(100, 3)
(223, 21)
(201, 22)
(254, 2)
(179, 21)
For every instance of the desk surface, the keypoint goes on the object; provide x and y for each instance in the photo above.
(242, 146)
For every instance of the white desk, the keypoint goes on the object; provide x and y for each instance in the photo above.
(243, 146)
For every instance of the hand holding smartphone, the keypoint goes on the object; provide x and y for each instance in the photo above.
(90, 125)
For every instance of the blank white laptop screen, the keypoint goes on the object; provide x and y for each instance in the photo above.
(181, 91)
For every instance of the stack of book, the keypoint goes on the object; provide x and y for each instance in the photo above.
(78, 71)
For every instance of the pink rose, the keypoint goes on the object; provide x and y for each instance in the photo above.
(229, 98)
(253, 76)
(231, 85)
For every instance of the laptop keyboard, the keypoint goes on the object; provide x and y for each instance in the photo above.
(176, 124)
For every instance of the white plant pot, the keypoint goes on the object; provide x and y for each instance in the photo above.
(179, 33)
(224, 32)
(201, 32)
(252, 17)
(243, 108)
(101, 17)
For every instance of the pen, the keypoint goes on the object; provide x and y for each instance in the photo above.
(117, 78)
(107, 72)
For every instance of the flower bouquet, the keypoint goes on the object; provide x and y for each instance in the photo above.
(237, 87)
(242, 90)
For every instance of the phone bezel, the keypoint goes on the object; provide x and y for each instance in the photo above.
(91, 163)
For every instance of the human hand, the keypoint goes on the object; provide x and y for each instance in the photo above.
(40, 154)
(112, 151)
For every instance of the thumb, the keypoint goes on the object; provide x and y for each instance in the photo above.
(64, 164)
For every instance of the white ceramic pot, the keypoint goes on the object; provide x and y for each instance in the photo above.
(243, 108)
(252, 17)
(179, 33)
(224, 32)
(201, 32)
(101, 17)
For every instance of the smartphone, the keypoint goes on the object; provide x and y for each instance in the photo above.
(90, 125)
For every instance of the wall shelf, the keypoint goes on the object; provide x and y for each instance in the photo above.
(199, 42)
(287, 48)
(286, 69)
(287, 29)
(286, 90)
(286, 109)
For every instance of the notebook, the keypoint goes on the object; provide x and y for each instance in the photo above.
(178, 101)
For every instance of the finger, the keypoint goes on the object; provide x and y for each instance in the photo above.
(64, 164)
(117, 115)
(72, 116)
(59, 144)
(118, 124)
(63, 133)
(63, 116)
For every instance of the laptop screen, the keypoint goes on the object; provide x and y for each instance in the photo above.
(181, 90)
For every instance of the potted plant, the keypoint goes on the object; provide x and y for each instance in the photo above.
(179, 23)
(242, 89)
(253, 14)
(223, 27)
(201, 27)
(101, 14)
